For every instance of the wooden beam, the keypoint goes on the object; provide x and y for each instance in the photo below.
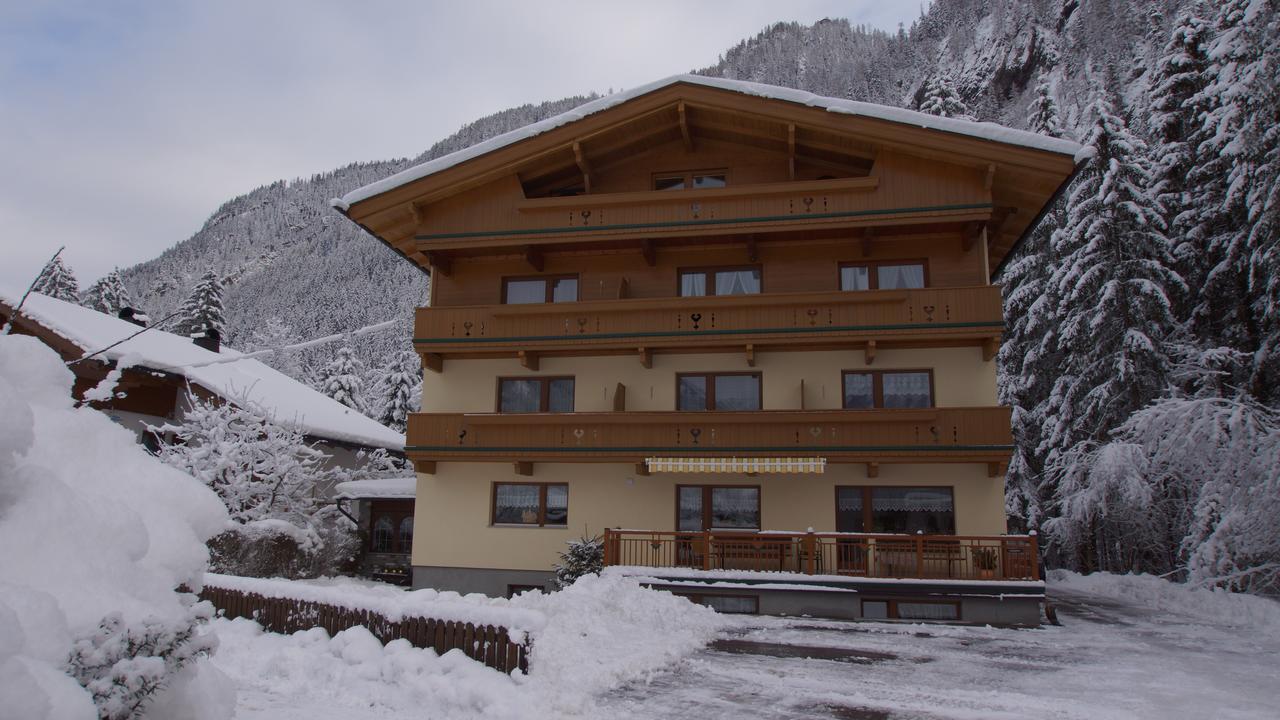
(867, 235)
(873, 470)
(972, 232)
(524, 468)
(581, 159)
(990, 179)
(753, 249)
(871, 351)
(646, 358)
(684, 127)
(642, 469)
(440, 262)
(433, 362)
(998, 217)
(791, 151)
(751, 355)
(996, 469)
(620, 398)
(802, 394)
(648, 252)
(528, 359)
(533, 256)
(990, 347)
(419, 215)
(427, 467)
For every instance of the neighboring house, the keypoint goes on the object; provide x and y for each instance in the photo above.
(732, 328)
(159, 367)
(383, 510)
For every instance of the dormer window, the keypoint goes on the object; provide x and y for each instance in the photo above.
(696, 179)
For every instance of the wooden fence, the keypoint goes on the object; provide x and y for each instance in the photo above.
(486, 644)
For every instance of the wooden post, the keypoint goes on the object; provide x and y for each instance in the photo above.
(706, 549)
(609, 559)
(919, 555)
(1035, 555)
(810, 544)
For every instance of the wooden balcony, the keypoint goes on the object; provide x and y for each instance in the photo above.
(970, 435)
(794, 321)
(927, 557)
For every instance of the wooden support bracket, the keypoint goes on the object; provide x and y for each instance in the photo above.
(990, 179)
(972, 231)
(873, 470)
(684, 127)
(867, 235)
(751, 355)
(996, 469)
(646, 358)
(419, 216)
(620, 398)
(440, 262)
(533, 256)
(433, 361)
(990, 347)
(427, 467)
(791, 151)
(524, 468)
(528, 359)
(581, 159)
(648, 252)
(871, 351)
(642, 469)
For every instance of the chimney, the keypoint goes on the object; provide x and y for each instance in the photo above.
(137, 317)
(209, 339)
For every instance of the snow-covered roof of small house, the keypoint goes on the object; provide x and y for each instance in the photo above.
(979, 130)
(246, 379)
(401, 488)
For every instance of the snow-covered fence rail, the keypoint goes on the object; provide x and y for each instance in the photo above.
(493, 645)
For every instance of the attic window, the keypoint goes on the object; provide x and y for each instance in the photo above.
(696, 179)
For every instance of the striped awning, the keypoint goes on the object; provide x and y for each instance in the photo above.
(738, 465)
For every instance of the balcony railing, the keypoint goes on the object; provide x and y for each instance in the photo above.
(954, 315)
(929, 435)
(929, 557)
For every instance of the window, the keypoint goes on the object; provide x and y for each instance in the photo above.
(884, 275)
(717, 507)
(536, 504)
(909, 610)
(727, 604)
(929, 510)
(888, 389)
(718, 391)
(391, 526)
(550, 289)
(697, 282)
(696, 179)
(540, 394)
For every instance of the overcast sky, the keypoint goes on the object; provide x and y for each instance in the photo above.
(123, 125)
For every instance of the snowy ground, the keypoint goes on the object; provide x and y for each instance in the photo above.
(1128, 648)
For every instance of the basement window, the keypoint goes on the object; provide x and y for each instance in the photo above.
(909, 610)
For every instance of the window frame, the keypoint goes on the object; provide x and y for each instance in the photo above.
(891, 609)
(396, 512)
(706, 506)
(542, 505)
(868, 515)
(687, 176)
(544, 393)
(873, 277)
(711, 388)
(548, 288)
(709, 274)
(877, 387)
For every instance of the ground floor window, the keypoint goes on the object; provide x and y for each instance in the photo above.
(391, 526)
(929, 510)
(717, 507)
(910, 610)
(728, 604)
(538, 504)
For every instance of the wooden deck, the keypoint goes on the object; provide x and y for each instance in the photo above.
(925, 557)
(810, 320)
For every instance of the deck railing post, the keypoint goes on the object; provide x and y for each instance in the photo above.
(609, 538)
(919, 554)
(706, 549)
(810, 544)
(1035, 555)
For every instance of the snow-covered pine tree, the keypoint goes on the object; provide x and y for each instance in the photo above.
(203, 308)
(108, 295)
(341, 380)
(585, 556)
(56, 280)
(940, 98)
(395, 393)
(1114, 281)
(1042, 116)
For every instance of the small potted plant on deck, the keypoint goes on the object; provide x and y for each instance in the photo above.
(985, 560)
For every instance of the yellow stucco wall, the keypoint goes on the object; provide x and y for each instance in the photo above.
(961, 378)
(452, 527)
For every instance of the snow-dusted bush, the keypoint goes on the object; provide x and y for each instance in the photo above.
(124, 665)
(92, 527)
(585, 556)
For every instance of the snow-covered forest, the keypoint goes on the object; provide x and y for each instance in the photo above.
(1141, 352)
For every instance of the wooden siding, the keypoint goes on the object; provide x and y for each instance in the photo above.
(914, 435)
(805, 320)
(788, 266)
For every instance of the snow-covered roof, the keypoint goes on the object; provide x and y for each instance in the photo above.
(287, 399)
(401, 488)
(979, 130)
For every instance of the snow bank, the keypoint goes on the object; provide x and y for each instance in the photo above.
(980, 130)
(90, 524)
(595, 635)
(1214, 605)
